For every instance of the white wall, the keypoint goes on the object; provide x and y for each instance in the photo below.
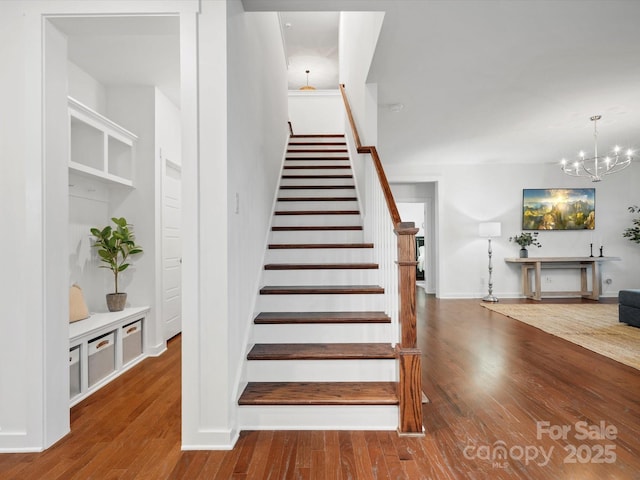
(257, 135)
(88, 204)
(206, 413)
(88, 208)
(468, 195)
(86, 89)
(320, 111)
(17, 417)
(412, 212)
(167, 131)
(359, 33)
(133, 108)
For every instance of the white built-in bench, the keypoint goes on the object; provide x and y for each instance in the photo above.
(102, 347)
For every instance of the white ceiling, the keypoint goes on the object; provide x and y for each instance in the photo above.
(496, 81)
(503, 82)
(311, 43)
(127, 50)
(481, 81)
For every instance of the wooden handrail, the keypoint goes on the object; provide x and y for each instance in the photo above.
(290, 128)
(371, 150)
(407, 353)
(352, 122)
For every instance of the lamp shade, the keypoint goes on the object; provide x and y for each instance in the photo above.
(490, 229)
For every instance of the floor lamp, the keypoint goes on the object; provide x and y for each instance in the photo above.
(490, 230)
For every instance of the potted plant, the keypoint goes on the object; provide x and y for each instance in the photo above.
(114, 247)
(633, 233)
(526, 239)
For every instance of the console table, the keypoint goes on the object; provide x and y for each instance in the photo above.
(536, 264)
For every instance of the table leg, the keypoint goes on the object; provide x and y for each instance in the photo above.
(583, 280)
(526, 282)
(596, 281)
(538, 294)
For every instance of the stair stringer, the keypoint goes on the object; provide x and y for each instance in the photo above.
(241, 372)
(318, 417)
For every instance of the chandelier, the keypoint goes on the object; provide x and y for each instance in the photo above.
(597, 166)
(307, 86)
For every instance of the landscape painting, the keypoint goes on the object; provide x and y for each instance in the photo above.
(559, 209)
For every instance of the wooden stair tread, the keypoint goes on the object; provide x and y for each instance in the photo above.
(317, 199)
(319, 135)
(317, 187)
(317, 212)
(321, 351)
(319, 393)
(320, 317)
(316, 228)
(289, 177)
(285, 246)
(316, 150)
(308, 144)
(320, 289)
(321, 266)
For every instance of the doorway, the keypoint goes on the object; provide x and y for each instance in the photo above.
(123, 73)
(417, 203)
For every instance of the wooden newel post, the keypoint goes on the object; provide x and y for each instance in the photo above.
(409, 356)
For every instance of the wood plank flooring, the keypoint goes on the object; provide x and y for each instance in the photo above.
(489, 379)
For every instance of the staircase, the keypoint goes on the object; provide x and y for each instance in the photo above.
(322, 354)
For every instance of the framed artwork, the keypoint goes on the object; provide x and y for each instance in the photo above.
(558, 208)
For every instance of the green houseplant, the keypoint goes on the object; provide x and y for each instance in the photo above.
(633, 233)
(526, 239)
(115, 245)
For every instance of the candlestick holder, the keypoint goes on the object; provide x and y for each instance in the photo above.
(591, 250)
(601, 247)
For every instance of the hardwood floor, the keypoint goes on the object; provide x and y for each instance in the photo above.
(489, 379)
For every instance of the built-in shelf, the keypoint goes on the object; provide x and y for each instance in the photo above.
(99, 147)
(102, 347)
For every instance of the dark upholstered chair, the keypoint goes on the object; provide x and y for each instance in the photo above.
(629, 307)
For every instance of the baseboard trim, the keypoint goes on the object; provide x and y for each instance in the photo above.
(212, 440)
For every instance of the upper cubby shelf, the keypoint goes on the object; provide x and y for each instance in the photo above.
(99, 147)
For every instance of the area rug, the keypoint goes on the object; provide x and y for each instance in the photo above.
(594, 327)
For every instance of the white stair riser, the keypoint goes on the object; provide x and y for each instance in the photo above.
(326, 145)
(370, 370)
(297, 162)
(320, 303)
(320, 255)
(318, 153)
(310, 220)
(326, 333)
(317, 192)
(360, 417)
(317, 236)
(321, 277)
(317, 181)
(322, 205)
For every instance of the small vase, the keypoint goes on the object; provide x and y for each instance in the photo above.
(524, 253)
(116, 301)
